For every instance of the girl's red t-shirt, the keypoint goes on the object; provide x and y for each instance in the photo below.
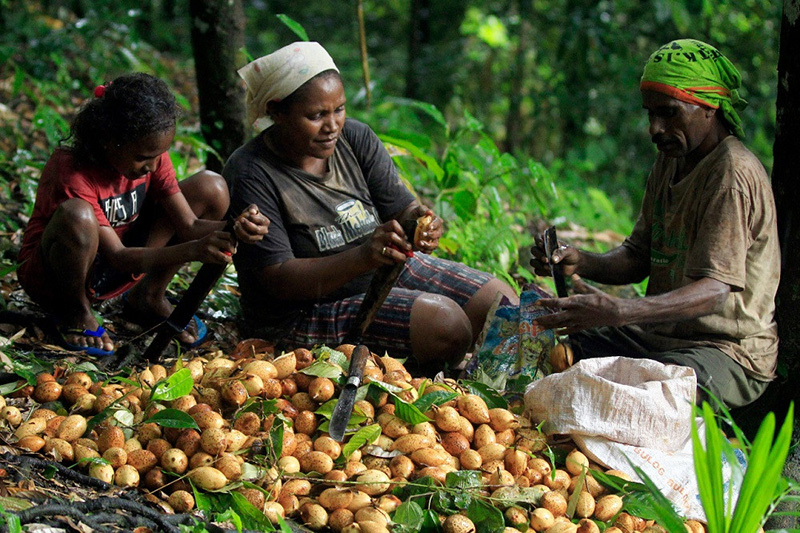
(117, 200)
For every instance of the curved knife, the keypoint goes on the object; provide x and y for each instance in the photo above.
(550, 246)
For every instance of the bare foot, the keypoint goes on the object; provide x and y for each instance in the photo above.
(159, 309)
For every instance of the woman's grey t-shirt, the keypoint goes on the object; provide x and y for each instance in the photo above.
(310, 216)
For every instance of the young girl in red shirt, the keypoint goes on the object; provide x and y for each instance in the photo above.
(110, 215)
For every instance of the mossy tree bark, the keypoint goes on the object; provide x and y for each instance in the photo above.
(784, 183)
(518, 75)
(217, 37)
(787, 196)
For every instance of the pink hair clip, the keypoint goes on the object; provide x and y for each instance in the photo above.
(100, 90)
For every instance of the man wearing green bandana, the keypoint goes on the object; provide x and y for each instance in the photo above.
(706, 236)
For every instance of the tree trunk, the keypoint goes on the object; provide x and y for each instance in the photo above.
(170, 9)
(420, 36)
(787, 196)
(518, 75)
(217, 36)
(362, 40)
(784, 182)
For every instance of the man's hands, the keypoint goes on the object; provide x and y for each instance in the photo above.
(590, 308)
(567, 256)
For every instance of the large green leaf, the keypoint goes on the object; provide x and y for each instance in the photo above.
(465, 484)
(465, 203)
(324, 353)
(487, 518)
(326, 409)
(362, 437)
(323, 369)
(426, 401)
(428, 109)
(409, 515)
(252, 518)
(175, 386)
(763, 475)
(430, 163)
(276, 436)
(408, 412)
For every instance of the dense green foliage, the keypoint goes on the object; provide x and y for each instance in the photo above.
(563, 74)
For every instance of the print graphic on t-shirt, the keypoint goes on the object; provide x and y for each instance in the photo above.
(352, 222)
(123, 208)
(668, 247)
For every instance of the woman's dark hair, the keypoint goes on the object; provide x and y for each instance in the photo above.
(299, 94)
(131, 107)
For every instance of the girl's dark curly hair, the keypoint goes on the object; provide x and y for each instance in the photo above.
(131, 107)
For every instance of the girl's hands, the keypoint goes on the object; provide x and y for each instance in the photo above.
(216, 247)
(251, 225)
(389, 244)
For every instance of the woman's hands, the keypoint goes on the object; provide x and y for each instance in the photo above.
(428, 237)
(251, 225)
(388, 245)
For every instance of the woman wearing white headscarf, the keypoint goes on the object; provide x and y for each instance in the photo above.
(336, 204)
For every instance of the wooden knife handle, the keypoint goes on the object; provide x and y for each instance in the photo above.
(357, 363)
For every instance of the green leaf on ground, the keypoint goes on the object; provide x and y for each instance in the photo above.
(492, 398)
(363, 436)
(173, 418)
(177, 385)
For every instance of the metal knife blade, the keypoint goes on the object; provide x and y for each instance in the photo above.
(550, 246)
(344, 405)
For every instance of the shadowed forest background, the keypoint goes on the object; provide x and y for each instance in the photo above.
(537, 111)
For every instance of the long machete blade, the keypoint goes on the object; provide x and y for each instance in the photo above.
(201, 285)
(344, 406)
(379, 288)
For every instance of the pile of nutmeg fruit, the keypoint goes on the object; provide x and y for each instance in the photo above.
(112, 431)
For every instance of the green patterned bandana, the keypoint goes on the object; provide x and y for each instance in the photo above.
(696, 72)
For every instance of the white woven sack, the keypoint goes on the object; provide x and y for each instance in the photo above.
(639, 402)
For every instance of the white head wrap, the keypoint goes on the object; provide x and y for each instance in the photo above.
(279, 74)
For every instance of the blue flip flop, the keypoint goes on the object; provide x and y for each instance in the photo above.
(202, 332)
(88, 350)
